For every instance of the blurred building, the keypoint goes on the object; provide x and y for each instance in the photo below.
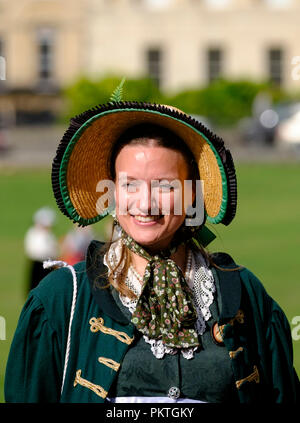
(42, 42)
(179, 43)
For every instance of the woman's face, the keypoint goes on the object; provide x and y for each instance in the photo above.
(147, 205)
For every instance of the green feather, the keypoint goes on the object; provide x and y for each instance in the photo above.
(117, 95)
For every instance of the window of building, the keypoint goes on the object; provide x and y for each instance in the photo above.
(275, 59)
(154, 4)
(217, 3)
(154, 65)
(45, 41)
(278, 3)
(214, 64)
(157, 4)
(2, 61)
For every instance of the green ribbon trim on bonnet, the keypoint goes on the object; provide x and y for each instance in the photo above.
(204, 236)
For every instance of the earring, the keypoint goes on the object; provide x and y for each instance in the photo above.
(117, 229)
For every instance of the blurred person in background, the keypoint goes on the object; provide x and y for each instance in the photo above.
(40, 244)
(74, 244)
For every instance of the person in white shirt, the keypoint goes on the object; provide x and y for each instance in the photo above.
(40, 244)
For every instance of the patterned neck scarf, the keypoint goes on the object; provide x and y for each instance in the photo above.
(165, 309)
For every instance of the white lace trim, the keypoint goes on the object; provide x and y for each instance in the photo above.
(200, 280)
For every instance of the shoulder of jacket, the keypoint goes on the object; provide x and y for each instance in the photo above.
(246, 281)
(58, 280)
(55, 291)
(223, 259)
(251, 281)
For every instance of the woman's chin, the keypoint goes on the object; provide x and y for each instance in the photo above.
(145, 241)
(154, 235)
(149, 241)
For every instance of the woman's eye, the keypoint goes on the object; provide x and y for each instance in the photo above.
(130, 186)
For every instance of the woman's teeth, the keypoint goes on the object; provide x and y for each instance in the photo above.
(146, 219)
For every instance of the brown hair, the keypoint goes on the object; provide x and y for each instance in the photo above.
(151, 134)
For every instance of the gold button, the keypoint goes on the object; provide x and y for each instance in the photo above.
(217, 334)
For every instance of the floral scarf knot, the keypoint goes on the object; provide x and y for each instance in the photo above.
(165, 308)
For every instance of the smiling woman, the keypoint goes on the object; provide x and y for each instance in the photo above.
(152, 316)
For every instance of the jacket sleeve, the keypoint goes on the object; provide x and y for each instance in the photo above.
(279, 341)
(273, 340)
(33, 372)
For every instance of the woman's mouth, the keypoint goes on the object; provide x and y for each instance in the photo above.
(146, 220)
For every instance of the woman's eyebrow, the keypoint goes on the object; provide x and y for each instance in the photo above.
(129, 178)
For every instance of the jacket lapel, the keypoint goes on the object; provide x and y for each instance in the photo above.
(229, 286)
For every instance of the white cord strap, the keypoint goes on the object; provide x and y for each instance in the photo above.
(48, 264)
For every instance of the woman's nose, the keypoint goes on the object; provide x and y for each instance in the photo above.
(146, 201)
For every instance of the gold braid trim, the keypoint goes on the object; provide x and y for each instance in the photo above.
(232, 354)
(95, 388)
(97, 324)
(254, 377)
(110, 363)
(239, 317)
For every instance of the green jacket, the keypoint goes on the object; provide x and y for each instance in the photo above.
(255, 332)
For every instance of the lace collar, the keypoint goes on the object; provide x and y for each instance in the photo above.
(199, 278)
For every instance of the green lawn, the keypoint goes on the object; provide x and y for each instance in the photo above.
(265, 236)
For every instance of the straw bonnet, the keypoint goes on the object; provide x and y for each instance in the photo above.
(83, 159)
